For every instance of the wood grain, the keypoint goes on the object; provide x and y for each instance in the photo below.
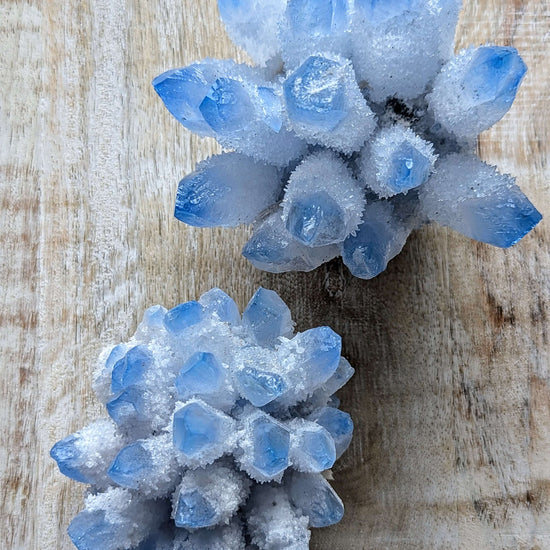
(452, 393)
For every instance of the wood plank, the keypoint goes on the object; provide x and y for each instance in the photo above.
(451, 398)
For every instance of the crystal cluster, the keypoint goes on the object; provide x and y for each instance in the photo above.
(356, 126)
(219, 429)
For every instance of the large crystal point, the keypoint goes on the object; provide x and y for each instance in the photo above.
(472, 198)
(476, 89)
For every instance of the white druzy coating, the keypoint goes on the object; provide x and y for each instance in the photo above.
(395, 161)
(398, 47)
(323, 202)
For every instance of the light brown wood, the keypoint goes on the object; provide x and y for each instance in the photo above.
(451, 398)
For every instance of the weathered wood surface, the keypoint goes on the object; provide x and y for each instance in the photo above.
(452, 393)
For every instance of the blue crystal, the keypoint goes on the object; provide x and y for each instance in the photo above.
(340, 426)
(317, 17)
(193, 511)
(267, 317)
(321, 355)
(315, 94)
(495, 75)
(316, 220)
(154, 317)
(117, 353)
(217, 302)
(260, 387)
(271, 446)
(183, 316)
(320, 449)
(272, 107)
(68, 458)
(378, 11)
(131, 369)
(409, 169)
(227, 106)
(90, 531)
(130, 466)
(202, 374)
(500, 222)
(196, 428)
(183, 90)
(316, 498)
(126, 407)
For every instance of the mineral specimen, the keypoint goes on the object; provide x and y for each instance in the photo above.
(220, 428)
(357, 126)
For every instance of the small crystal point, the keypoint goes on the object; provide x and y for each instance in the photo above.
(131, 465)
(271, 446)
(193, 511)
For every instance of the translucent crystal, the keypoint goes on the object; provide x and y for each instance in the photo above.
(472, 198)
(338, 424)
(476, 89)
(217, 302)
(131, 369)
(182, 317)
(206, 198)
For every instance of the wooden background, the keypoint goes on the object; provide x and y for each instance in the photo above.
(451, 398)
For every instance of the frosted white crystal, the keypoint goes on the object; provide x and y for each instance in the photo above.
(323, 202)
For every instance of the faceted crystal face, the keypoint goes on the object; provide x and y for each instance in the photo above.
(320, 449)
(409, 168)
(183, 316)
(131, 369)
(267, 316)
(126, 407)
(218, 303)
(340, 426)
(196, 428)
(315, 93)
(201, 375)
(90, 530)
(316, 220)
(321, 348)
(130, 465)
(227, 106)
(379, 11)
(272, 107)
(260, 387)
(68, 456)
(193, 511)
(495, 75)
(271, 446)
(317, 17)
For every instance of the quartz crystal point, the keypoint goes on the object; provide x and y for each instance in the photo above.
(211, 416)
(340, 137)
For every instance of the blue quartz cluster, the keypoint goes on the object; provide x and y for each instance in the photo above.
(357, 125)
(219, 429)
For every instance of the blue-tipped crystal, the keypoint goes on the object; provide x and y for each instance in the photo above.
(494, 75)
(217, 302)
(272, 108)
(500, 222)
(69, 458)
(409, 169)
(227, 106)
(321, 352)
(260, 387)
(193, 511)
(183, 316)
(339, 424)
(315, 93)
(380, 238)
(202, 374)
(131, 369)
(316, 498)
(127, 407)
(267, 317)
(130, 466)
(183, 90)
(197, 427)
(316, 220)
(117, 353)
(154, 316)
(271, 442)
(317, 17)
(89, 530)
(207, 197)
(319, 448)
